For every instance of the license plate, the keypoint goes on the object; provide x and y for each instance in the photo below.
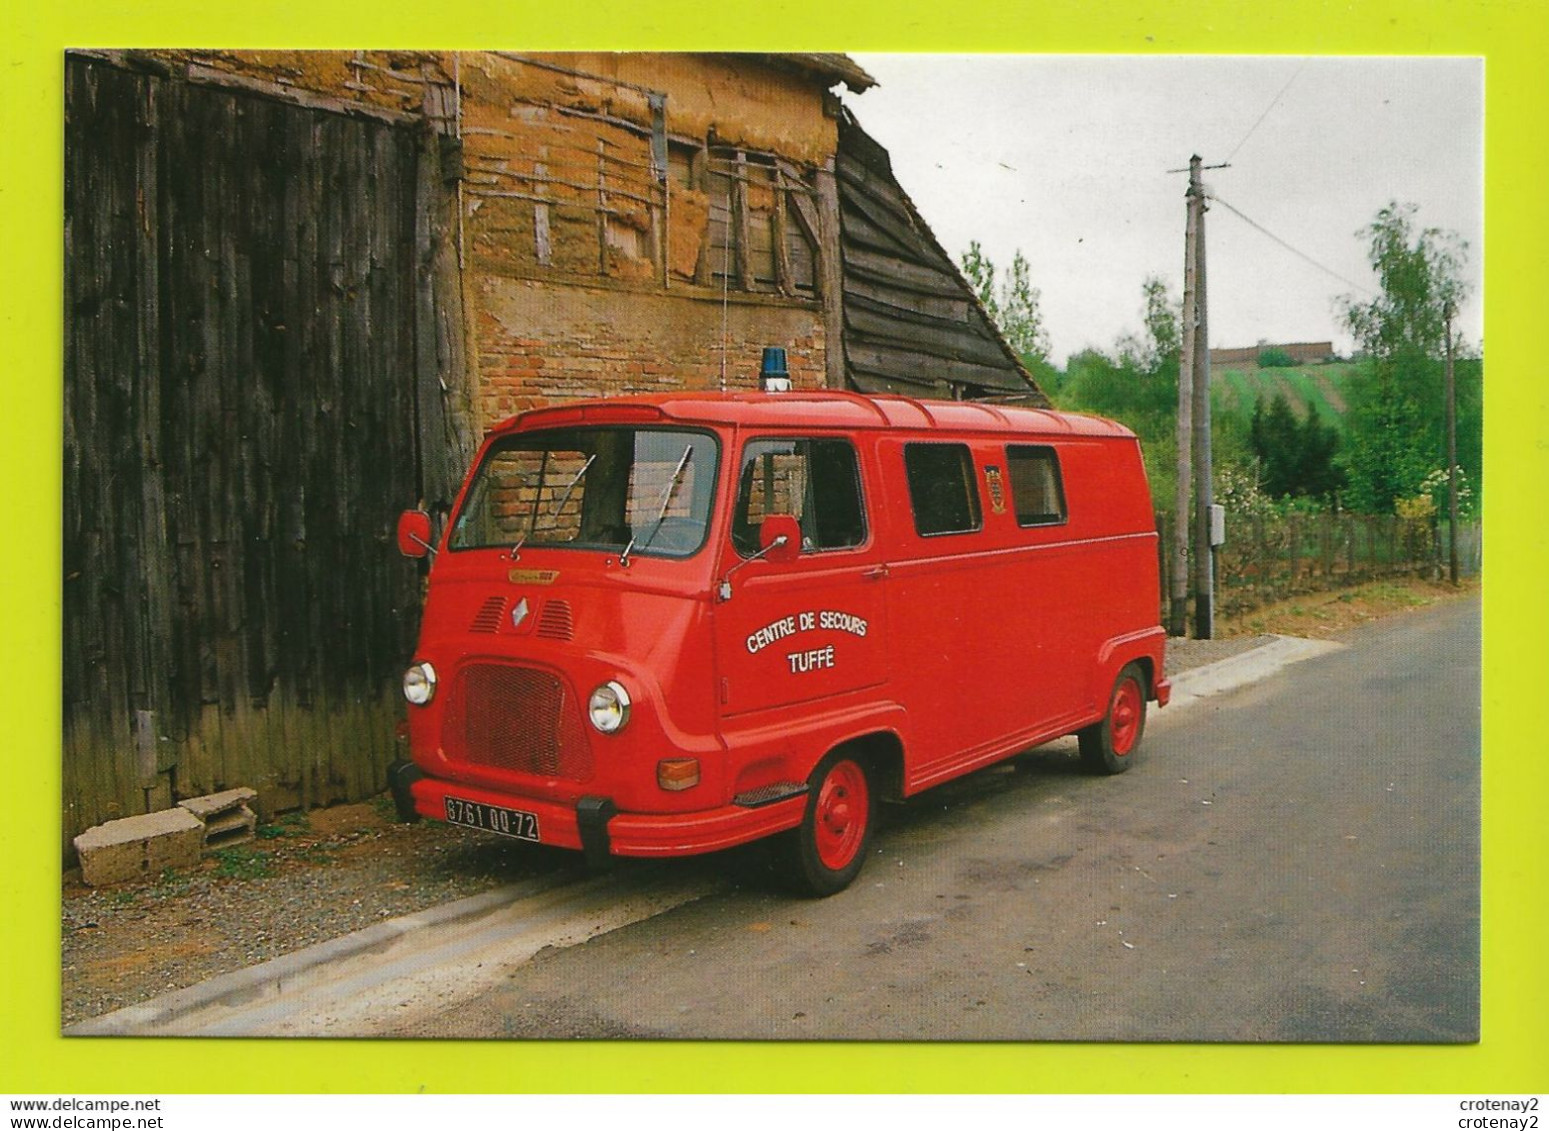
(516, 823)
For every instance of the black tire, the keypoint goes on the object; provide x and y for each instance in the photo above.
(1109, 747)
(825, 853)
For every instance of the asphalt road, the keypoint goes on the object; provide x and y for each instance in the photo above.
(1297, 860)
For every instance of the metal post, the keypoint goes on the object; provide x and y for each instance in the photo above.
(1452, 459)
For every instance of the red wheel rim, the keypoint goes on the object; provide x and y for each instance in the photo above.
(1124, 719)
(839, 819)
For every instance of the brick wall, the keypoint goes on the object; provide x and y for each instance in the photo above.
(538, 345)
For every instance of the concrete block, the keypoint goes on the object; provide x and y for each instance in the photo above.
(226, 816)
(134, 848)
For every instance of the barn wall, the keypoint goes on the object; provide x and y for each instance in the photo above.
(912, 325)
(240, 432)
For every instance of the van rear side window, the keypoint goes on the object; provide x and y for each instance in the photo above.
(1037, 492)
(817, 482)
(941, 488)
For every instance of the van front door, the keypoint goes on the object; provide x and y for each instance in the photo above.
(797, 631)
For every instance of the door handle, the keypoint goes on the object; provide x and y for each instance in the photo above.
(876, 573)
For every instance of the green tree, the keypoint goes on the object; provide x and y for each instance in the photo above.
(1318, 474)
(1013, 306)
(1137, 384)
(1295, 458)
(1275, 436)
(979, 270)
(1020, 319)
(1395, 418)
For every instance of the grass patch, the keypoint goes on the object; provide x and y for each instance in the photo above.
(1323, 614)
(1389, 593)
(243, 863)
(291, 824)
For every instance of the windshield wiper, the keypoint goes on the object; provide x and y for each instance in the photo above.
(661, 511)
(532, 521)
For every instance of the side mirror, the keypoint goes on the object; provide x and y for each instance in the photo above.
(414, 534)
(775, 528)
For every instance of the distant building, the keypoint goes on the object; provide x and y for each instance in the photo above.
(1307, 353)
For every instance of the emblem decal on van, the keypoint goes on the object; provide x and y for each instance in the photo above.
(997, 489)
(532, 576)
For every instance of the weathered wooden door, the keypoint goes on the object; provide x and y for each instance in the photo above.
(240, 433)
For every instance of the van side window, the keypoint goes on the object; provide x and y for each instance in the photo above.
(815, 481)
(941, 488)
(1037, 492)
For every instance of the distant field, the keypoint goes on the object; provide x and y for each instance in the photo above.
(1238, 387)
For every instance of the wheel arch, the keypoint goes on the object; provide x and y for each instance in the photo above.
(1143, 648)
(882, 752)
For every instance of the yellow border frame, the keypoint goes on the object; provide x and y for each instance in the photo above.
(1513, 37)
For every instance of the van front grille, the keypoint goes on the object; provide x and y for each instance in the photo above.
(516, 719)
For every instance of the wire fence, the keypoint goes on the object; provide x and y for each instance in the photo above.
(1268, 558)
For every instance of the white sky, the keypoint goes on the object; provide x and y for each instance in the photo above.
(1067, 158)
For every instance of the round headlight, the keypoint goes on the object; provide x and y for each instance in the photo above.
(419, 683)
(608, 708)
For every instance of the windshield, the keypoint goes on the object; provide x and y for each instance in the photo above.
(647, 490)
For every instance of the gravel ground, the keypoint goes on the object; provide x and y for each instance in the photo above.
(1185, 654)
(310, 878)
(306, 879)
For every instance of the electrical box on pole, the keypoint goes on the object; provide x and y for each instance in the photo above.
(1217, 526)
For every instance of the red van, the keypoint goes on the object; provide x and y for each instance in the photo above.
(667, 625)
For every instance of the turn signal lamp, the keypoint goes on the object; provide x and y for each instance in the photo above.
(677, 773)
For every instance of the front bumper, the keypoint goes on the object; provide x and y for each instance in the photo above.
(593, 825)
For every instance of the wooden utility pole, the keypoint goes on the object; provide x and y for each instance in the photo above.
(1178, 606)
(1452, 459)
(1199, 365)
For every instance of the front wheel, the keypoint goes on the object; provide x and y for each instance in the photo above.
(1108, 747)
(825, 852)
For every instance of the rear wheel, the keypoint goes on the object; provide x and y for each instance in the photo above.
(1109, 747)
(825, 852)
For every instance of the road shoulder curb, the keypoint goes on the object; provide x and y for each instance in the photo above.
(1191, 686)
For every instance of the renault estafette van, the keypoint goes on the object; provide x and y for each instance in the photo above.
(665, 625)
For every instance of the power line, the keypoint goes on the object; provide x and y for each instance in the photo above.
(1299, 254)
(1272, 104)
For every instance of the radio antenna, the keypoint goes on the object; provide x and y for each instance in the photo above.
(725, 284)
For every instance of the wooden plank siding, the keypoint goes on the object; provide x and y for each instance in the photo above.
(911, 323)
(240, 432)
